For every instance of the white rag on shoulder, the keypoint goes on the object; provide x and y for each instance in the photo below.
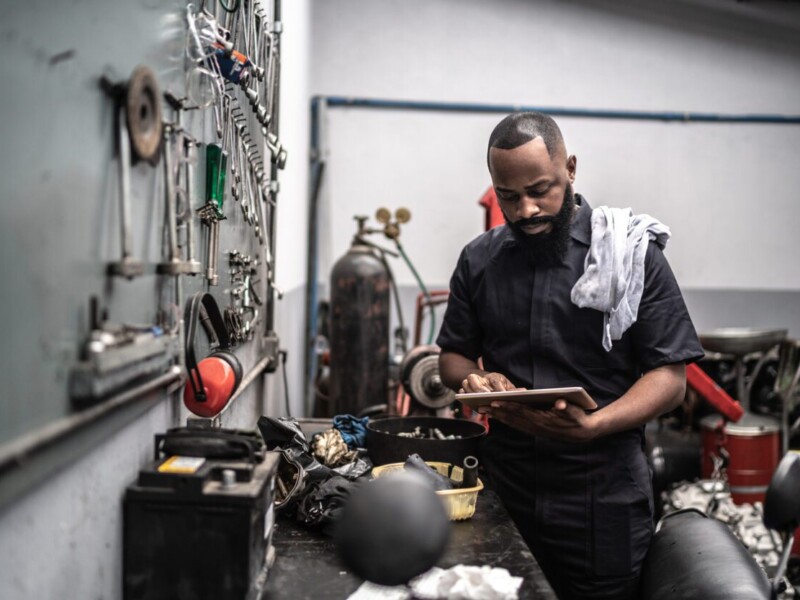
(613, 277)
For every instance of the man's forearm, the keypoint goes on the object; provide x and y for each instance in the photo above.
(655, 393)
(454, 368)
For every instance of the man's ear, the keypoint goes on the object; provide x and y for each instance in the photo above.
(572, 167)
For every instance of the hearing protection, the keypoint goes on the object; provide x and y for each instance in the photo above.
(213, 381)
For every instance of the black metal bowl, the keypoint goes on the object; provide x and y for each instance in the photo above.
(386, 446)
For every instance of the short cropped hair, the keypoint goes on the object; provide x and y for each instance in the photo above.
(520, 128)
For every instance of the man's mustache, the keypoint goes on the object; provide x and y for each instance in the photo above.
(532, 221)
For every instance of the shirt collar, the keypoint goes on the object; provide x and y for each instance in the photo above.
(581, 227)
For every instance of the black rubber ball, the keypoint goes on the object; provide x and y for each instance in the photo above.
(393, 529)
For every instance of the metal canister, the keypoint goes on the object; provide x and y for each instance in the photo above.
(752, 446)
(359, 330)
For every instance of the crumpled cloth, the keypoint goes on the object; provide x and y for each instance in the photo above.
(373, 591)
(353, 430)
(613, 278)
(462, 582)
(329, 448)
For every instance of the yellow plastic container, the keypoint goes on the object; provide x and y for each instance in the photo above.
(460, 503)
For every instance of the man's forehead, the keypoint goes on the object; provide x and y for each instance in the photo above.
(536, 145)
(532, 152)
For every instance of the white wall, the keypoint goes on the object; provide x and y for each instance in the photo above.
(292, 244)
(294, 124)
(726, 190)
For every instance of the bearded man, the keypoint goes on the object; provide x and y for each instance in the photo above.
(576, 483)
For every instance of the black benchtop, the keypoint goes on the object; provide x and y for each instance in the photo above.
(307, 565)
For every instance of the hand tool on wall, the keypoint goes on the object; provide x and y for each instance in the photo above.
(138, 131)
(212, 212)
(174, 265)
(127, 266)
(216, 167)
(115, 355)
(276, 149)
(243, 271)
(190, 156)
(183, 172)
(143, 111)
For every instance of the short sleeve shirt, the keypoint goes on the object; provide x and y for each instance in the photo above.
(518, 316)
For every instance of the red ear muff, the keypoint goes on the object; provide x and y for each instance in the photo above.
(213, 381)
(219, 383)
(234, 363)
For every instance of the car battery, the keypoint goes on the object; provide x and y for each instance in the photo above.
(198, 521)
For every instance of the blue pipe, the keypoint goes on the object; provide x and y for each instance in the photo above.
(638, 115)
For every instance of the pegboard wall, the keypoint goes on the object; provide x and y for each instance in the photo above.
(140, 167)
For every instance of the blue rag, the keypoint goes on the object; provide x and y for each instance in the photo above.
(353, 430)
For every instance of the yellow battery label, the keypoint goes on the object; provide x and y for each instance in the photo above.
(181, 464)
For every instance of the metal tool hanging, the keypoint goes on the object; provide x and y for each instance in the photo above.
(233, 50)
(143, 111)
(138, 128)
(174, 265)
(115, 355)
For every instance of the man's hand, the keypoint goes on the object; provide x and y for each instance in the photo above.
(462, 374)
(656, 392)
(486, 382)
(564, 421)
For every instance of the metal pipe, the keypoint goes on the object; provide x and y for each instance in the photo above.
(15, 453)
(557, 111)
(317, 169)
(275, 108)
(249, 378)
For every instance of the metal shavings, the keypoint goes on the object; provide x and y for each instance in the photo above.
(432, 433)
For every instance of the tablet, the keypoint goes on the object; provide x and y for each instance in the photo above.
(544, 398)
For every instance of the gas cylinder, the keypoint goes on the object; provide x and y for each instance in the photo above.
(359, 330)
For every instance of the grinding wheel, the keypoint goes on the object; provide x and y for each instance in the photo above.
(421, 380)
(143, 110)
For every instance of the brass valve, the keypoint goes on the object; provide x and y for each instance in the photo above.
(391, 228)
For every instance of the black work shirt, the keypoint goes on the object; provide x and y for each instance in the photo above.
(585, 509)
(519, 317)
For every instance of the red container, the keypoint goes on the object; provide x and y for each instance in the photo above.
(754, 450)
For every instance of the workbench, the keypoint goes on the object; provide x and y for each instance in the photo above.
(308, 566)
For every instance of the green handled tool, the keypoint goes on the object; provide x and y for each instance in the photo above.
(216, 165)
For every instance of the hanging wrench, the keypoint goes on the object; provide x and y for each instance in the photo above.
(174, 265)
(127, 266)
(213, 251)
(190, 156)
(257, 215)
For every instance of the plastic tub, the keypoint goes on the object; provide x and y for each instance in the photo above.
(460, 502)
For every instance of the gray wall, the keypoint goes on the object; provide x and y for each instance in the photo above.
(62, 538)
(728, 191)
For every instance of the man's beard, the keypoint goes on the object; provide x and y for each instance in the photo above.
(547, 248)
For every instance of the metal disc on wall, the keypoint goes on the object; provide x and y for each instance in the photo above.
(143, 110)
